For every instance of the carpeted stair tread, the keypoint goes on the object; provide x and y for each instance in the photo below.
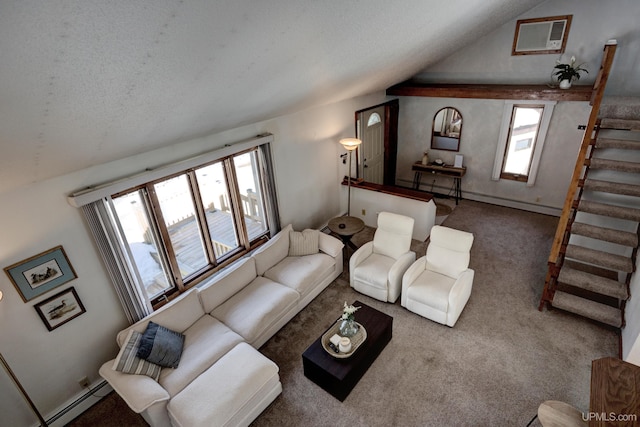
(604, 259)
(617, 143)
(623, 124)
(614, 165)
(612, 187)
(587, 308)
(593, 283)
(613, 211)
(620, 237)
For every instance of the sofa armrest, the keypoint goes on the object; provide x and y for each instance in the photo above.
(362, 253)
(410, 276)
(138, 391)
(330, 245)
(463, 283)
(395, 275)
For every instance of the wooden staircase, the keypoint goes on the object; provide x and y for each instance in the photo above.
(596, 242)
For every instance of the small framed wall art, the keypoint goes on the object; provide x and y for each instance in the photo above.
(60, 308)
(41, 273)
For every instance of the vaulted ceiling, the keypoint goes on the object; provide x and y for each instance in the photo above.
(84, 82)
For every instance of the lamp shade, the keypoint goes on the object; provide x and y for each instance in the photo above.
(350, 144)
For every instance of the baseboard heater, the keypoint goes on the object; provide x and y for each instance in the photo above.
(71, 406)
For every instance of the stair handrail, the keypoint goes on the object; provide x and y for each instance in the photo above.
(596, 101)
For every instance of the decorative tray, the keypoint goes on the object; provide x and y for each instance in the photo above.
(356, 340)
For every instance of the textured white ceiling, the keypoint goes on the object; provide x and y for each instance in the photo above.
(89, 81)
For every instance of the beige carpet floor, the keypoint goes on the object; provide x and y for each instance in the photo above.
(500, 361)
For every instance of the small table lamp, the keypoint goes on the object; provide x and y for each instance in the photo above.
(349, 144)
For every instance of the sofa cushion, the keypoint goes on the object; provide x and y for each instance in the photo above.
(228, 283)
(256, 308)
(303, 242)
(431, 289)
(393, 235)
(301, 273)
(178, 315)
(161, 346)
(374, 271)
(273, 251)
(206, 341)
(448, 252)
(128, 361)
(226, 393)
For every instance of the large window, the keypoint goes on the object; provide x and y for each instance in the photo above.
(522, 136)
(181, 228)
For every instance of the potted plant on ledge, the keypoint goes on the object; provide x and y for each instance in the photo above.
(566, 73)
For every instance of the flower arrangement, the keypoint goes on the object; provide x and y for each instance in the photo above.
(568, 71)
(348, 312)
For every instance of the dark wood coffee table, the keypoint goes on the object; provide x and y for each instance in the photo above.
(339, 376)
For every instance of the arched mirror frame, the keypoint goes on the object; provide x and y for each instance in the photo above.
(450, 125)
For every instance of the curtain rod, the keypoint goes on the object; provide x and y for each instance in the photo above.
(97, 192)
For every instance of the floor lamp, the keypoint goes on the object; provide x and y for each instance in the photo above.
(349, 144)
(15, 380)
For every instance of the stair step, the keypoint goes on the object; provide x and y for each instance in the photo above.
(593, 310)
(614, 165)
(620, 237)
(603, 259)
(623, 124)
(612, 211)
(617, 143)
(593, 283)
(611, 187)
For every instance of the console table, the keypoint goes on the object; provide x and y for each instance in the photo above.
(450, 171)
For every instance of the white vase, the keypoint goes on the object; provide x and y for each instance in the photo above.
(565, 84)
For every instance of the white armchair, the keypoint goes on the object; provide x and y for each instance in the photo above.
(377, 267)
(438, 285)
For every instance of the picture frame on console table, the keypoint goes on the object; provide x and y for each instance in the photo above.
(41, 273)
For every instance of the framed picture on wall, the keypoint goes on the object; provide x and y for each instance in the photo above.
(41, 273)
(60, 308)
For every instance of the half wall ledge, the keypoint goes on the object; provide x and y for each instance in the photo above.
(369, 199)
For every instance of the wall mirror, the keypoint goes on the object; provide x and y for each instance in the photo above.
(447, 126)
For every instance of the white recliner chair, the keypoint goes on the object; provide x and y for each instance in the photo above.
(438, 285)
(377, 267)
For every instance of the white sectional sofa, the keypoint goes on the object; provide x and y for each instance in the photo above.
(222, 379)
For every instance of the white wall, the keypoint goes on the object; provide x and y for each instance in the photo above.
(594, 22)
(481, 121)
(367, 204)
(37, 217)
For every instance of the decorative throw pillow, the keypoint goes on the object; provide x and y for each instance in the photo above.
(161, 346)
(128, 362)
(303, 243)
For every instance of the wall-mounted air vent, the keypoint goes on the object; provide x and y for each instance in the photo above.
(541, 35)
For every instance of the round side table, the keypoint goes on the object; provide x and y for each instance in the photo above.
(346, 227)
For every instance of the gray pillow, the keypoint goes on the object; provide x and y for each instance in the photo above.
(161, 346)
(129, 363)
